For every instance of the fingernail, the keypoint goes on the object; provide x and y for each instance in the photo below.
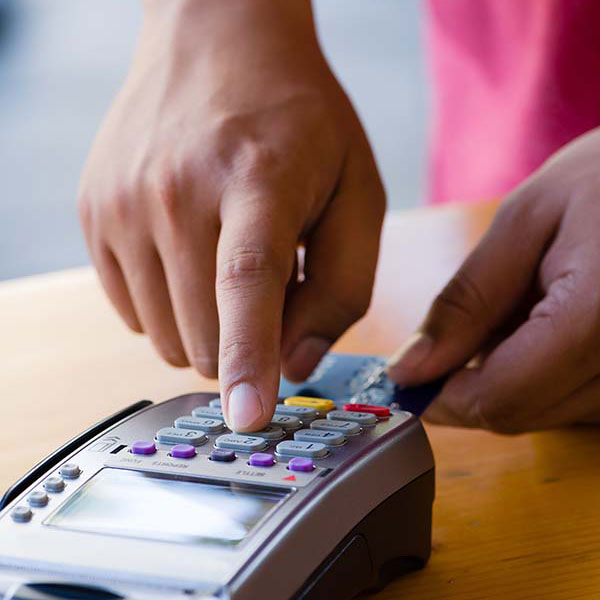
(306, 355)
(244, 407)
(409, 356)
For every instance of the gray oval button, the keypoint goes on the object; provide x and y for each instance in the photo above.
(54, 484)
(308, 449)
(286, 422)
(362, 418)
(172, 435)
(345, 427)
(200, 424)
(38, 498)
(208, 412)
(21, 514)
(330, 438)
(244, 443)
(70, 471)
(304, 413)
(270, 432)
(215, 403)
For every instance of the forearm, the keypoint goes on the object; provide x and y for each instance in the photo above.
(274, 25)
(190, 42)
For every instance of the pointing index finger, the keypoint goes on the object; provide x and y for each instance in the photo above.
(255, 259)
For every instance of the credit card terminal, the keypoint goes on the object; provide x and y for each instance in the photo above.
(162, 501)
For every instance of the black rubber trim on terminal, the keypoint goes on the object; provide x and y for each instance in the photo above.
(61, 453)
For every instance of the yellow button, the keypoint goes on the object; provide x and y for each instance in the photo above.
(320, 404)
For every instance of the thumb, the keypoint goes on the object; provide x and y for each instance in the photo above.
(481, 296)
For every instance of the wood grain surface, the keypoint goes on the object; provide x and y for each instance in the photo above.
(515, 517)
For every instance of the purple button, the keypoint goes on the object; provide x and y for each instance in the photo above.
(301, 464)
(142, 447)
(222, 455)
(183, 451)
(261, 459)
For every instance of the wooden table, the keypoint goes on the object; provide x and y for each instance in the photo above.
(515, 517)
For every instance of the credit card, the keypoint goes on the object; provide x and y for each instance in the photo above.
(361, 379)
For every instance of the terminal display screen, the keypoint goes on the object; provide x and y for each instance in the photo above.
(158, 507)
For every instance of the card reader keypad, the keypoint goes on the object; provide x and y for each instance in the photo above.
(288, 451)
(292, 450)
(311, 428)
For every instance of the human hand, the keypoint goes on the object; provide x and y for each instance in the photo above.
(524, 308)
(230, 144)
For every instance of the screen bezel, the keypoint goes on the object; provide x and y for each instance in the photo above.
(284, 491)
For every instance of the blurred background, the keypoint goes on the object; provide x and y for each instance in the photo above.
(62, 61)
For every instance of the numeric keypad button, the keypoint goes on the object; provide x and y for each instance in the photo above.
(345, 427)
(270, 432)
(304, 413)
(200, 424)
(208, 412)
(286, 422)
(329, 438)
(243, 443)
(307, 449)
(362, 418)
(173, 435)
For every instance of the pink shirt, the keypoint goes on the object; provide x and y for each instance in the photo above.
(514, 80)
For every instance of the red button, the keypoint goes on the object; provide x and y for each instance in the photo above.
(378, 411)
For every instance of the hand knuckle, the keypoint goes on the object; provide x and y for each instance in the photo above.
(462, 295)
(168, 195)
(239, 151)
(248, 267)
(237, 355)
(120, 208)
(256, 161)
